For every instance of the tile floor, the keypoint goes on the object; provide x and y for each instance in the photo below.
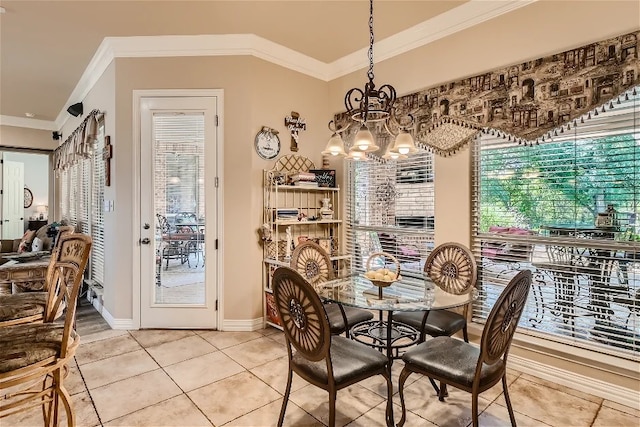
(204, 378)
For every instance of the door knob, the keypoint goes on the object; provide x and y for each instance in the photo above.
(145, 241)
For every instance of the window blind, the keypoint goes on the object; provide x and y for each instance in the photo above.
(97, 208)
(179, 165)
(567, 209)
(390, 208)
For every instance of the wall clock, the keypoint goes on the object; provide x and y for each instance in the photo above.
(267, 143)
(28, 198)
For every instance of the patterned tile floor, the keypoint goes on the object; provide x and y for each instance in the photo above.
(204, 378)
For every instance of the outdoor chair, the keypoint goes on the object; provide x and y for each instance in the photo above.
(30, 307)
(314, 264)
(466, 366)
(173, 243)
(330, 362)
(34, 357)
(452, 267)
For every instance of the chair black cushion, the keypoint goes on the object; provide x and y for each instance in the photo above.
(451, 358)
(440, 323)
(354, 315)
(351, 362)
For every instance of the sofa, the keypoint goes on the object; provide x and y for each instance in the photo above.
(45, 234)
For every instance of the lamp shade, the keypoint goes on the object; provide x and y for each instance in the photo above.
(404, 143)
(335, 146)
(390, 154)
(364, 140)
(356, 155)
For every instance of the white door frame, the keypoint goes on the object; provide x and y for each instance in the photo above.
(136, 282)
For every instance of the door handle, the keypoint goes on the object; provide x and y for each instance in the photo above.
(145, 241)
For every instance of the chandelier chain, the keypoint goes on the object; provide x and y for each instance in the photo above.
(370, 73)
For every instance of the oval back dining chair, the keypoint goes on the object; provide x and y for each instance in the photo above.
(314, 264)
(452, 267)
(29, 307)
(330, 362)
(34, 357)
(469, 367)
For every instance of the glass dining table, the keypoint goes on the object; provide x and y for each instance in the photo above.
(407, 294)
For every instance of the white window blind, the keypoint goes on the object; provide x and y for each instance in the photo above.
(97, 208)
(390, 208)
(84, 195)
(568, 209)
(179, 166)
(82, 202)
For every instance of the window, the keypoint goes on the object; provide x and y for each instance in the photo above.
(82, 202)
(568, 210)
(390, 208)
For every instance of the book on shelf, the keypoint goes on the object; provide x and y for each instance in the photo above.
(303, 176)
(305, 184)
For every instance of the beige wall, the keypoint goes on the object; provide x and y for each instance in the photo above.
(17, 137)
(256, 94)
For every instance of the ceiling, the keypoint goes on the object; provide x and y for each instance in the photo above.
(45, 46)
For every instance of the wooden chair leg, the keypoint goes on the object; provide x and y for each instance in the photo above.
(403, 378)
(474, 409)
(285, 399)
(63, 395)
(508, 400)
(332, 408)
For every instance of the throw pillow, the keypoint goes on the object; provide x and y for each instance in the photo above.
(27, 239)
(37, 245)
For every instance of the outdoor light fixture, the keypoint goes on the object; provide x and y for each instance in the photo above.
(367, 106)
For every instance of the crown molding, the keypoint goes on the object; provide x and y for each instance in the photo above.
(24, 122)
(457, 19)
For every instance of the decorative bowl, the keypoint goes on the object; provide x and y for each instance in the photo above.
(383, 283)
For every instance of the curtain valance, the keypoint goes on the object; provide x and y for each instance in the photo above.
(525, 101)
(79, 144)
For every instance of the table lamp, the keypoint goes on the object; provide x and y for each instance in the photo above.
(42, 211)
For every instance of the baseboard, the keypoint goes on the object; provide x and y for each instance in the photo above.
(126, 324)
(242, 325)
(612, 392)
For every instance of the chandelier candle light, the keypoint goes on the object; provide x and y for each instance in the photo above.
(371, 105)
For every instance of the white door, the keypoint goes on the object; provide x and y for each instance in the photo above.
(12, 200)
(178, 212)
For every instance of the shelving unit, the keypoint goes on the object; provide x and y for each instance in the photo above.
(297, 209)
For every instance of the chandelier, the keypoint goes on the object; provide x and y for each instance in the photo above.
(367, 106)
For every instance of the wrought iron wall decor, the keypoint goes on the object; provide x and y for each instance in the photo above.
(525, 101)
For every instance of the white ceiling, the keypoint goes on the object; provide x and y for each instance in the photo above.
(48, 48)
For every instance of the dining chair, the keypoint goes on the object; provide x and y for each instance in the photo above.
(173, 244)
(29, 307)
(188, 227)
(34, 357)
(330, 362)
(466, 366)
(452, 267)
(314, 264)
